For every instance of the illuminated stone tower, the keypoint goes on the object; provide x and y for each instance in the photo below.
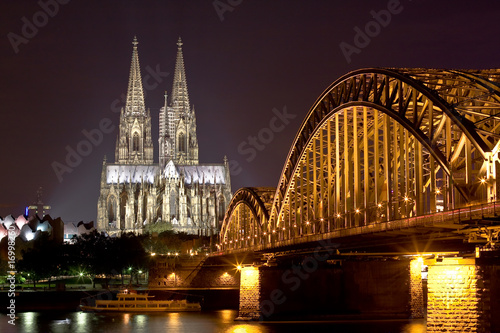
(178, 141)
(134, 144)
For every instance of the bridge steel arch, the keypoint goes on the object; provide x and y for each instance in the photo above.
(245, 217)
(386, 144)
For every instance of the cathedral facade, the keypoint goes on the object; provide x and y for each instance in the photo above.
(178, 192)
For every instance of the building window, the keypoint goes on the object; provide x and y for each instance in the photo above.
(182, 142)
(135, 142)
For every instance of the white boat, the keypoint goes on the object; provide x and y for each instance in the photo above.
(128, 301)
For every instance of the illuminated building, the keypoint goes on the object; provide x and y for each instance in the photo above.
(177, 191)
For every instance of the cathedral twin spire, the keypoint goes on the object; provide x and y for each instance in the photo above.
(135, 93)
(178, 141)
(134, 144)
(180, 95)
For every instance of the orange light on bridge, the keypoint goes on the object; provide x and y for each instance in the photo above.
(274, 231)
(265, 233)
(438, 191)
(284, 228)
(379, 205)
(307, 222)
(338, 215)
(483, 180)
(406, 198)
(357, 210)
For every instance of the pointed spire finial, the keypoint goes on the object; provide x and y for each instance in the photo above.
(135, 94)
(180, 97)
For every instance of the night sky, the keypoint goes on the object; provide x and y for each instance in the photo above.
(243, 61)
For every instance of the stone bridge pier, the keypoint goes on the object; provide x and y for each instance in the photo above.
(340, 288)
(458, 295)
(463, 295)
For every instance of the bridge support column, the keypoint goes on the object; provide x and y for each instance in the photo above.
(250, 289)
(458, 296)
(416, 289)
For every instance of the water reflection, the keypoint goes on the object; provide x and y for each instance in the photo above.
(227, 316)
(246, 328)
(204, 322)
(28, 321)
(415, 327)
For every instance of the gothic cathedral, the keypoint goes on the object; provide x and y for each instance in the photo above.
(178, 191)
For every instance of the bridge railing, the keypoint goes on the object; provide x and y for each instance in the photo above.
(446, 219)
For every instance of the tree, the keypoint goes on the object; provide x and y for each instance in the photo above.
(43, 260)
(92, 252)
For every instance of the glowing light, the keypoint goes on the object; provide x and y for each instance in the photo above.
(284, 228)
(438, 191)
(338, 215)
(239, 267)
(294, 225)
(307, 223)
(153, 254)
(191, 254)
(483, 180)
(265, 233)
(29, 236)
(168, 253)
(81, 274)
(406, 198)
(274, 231)
(379, 205)
(357, 210)
(321, 219)
(176, 254)
(140, 272)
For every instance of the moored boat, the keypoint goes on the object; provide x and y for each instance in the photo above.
(128, 301)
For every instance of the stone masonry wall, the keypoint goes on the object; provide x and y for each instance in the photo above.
(416, 289)
(250, 283)
(458, 296)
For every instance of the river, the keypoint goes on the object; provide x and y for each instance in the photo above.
(205, 322)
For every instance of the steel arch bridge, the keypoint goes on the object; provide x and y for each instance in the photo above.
(378, 145)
